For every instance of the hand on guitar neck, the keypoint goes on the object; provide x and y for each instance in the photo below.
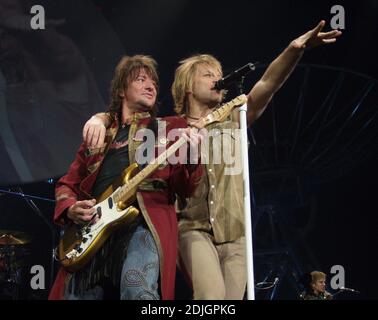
(192, 136)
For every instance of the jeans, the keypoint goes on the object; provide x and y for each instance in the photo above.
(140, 271)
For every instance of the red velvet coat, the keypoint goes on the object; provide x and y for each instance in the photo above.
(157, 207)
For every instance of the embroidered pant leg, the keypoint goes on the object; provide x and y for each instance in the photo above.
(140, 271)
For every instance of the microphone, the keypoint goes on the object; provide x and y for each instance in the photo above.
(234, 76)
(348, 289)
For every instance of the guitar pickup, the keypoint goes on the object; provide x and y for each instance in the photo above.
(78, 248)
(99, 212)
(110, 202)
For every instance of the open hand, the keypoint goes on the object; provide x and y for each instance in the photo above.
(315, 37)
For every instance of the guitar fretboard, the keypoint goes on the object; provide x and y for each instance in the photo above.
(146, 172)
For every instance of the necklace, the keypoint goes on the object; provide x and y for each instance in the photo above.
(194, 118)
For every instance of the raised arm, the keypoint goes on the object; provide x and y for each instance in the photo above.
(280, 69)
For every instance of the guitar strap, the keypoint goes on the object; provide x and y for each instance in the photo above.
(133, 143)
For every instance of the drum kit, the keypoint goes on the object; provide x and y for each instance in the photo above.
(13, 256)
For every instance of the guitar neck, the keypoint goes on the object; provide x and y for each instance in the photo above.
(147, 171)
(222, 112)
(217, 115)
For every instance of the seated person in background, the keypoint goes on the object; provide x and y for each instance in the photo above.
(315, 284)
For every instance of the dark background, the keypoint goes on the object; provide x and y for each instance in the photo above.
(328, 217)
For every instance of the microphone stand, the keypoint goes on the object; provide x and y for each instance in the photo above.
(343, 290)
(247, 203)
(29, 200)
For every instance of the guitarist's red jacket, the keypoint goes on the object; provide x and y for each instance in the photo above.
(157, 207)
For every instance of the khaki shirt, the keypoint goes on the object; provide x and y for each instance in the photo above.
(217, 205)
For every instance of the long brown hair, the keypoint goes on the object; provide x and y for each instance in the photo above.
(126, 71)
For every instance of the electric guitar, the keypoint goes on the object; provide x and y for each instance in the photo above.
(114, 207)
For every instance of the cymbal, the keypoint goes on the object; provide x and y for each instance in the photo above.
(9, 237)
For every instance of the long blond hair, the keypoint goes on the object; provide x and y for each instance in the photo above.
(183, 81)
(317, 275)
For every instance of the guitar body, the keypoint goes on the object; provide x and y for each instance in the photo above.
(80, 243)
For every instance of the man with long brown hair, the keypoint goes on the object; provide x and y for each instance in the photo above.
(138, 260)
(211, 222)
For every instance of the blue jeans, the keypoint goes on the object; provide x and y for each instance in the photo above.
(140, 271)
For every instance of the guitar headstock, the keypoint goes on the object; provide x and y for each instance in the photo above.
(222, 112)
